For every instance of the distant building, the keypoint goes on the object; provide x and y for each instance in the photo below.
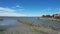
(56, 16)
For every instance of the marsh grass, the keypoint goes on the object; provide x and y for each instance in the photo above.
(1, 32)
(27, 22)
(38, 27)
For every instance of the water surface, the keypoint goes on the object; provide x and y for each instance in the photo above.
(10, 21)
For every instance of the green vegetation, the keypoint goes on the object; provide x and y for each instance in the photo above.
(27, 22)
(1, 32)
(2, 29)
(47, 16)
(38, 27)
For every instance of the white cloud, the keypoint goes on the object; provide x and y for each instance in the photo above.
(17, 6)
(9, 12)
(6, 10)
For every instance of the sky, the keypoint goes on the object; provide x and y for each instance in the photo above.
(29, 7)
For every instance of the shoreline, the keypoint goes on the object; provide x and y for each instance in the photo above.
(40, 27)
(52, 19)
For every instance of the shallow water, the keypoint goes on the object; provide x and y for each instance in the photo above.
(9, 21)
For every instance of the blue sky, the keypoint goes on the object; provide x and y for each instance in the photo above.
(29, 7)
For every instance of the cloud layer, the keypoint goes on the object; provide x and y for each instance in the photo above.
(9, 12)
(6, 10)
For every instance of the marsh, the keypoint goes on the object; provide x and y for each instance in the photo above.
(11, 25)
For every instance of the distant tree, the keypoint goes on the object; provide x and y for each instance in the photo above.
(52, 15)
(46, 16)
(43, 16)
